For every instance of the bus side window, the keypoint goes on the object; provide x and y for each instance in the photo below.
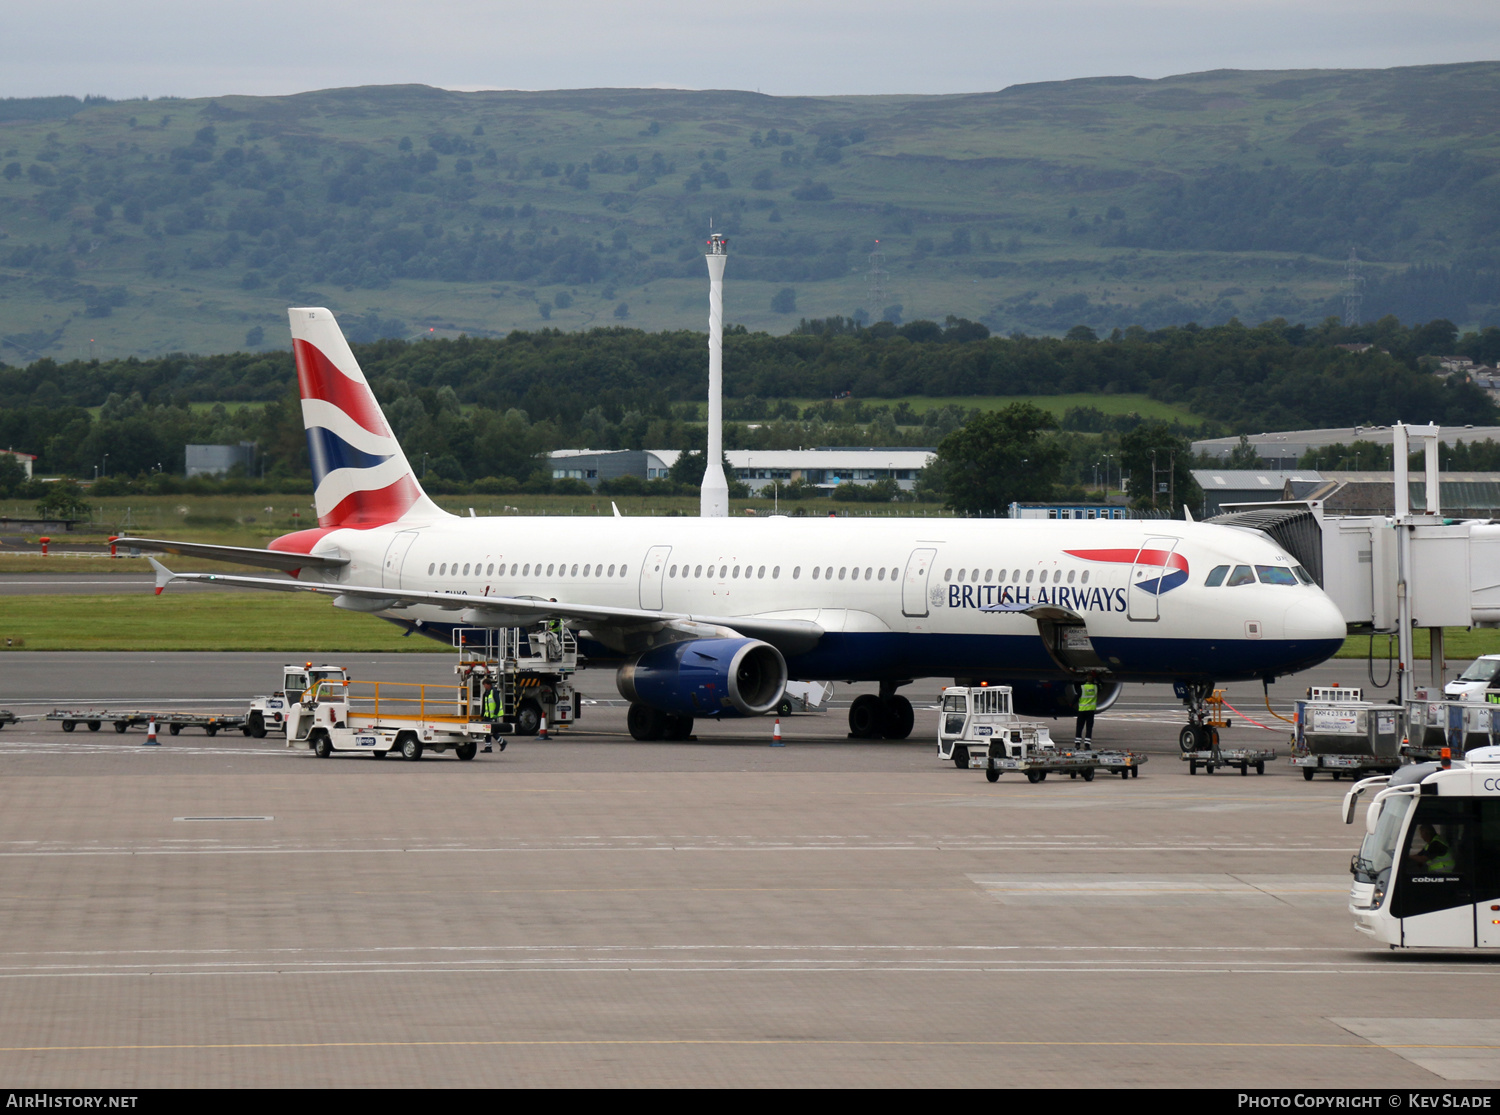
(1487, 851)
(1437, 864)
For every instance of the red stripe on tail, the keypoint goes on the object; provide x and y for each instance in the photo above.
(319, 378)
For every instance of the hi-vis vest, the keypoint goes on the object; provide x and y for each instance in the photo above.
(1088, 697)
(490, 708)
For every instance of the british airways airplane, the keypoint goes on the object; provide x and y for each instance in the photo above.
(710, 617)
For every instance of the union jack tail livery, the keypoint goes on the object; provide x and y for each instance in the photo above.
(361, 478)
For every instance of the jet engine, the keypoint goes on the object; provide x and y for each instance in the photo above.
(1055, 698)
(706, 677)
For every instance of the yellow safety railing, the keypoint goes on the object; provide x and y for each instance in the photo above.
(410, 700)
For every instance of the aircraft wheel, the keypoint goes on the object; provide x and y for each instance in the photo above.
(992, 775)
(411, 747)
(1187, 739)
(68, 725)
(899, 717)
(867, 717)
(466, 751)
(322, 746)
(961, 757)
(677, 728)
(784, 708)
(645, 723)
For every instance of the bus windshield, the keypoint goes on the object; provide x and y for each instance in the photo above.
(1378, 852)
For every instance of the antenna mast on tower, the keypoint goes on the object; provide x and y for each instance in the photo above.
(877, 281)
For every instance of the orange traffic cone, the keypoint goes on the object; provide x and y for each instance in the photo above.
(151, 740)
(776, 734)
(542, 734)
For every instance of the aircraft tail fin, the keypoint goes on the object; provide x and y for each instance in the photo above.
(361, 478)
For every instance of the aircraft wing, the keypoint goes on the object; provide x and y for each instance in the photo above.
(244, 555)
(790, 636)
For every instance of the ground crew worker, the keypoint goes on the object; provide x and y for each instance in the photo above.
(489, 709)
(1088, 701)
(1436, 856)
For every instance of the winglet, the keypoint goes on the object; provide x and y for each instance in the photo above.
(164, 576)
(1188, 513)
(616, 509)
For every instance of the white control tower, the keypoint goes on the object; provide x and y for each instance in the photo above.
(714, 499)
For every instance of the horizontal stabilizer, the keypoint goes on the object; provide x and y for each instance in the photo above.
(240, 555)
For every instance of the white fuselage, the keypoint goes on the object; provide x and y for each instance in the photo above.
(898, 597)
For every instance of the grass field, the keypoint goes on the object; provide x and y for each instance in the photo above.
(197, 621)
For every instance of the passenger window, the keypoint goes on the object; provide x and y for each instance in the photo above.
(672, 572)
(723, 572)
(549, 570)
(466, 569)
(796, 572)
(842, 571)
(1241, 576)
(828, 573)
(895, 574)
(490, 569)
(612, 571)
(975, 578)
(1275, 575)
(868, 571)
(622, 570)
(761, 574)
(817, 571)
(947, 574)
(1071, 574)
(776, 573)
(443, 569)
(586, 570)
(1056, 576)
(513, 568)
(962, 573)
(1085, 578)
(1216, 576)
(431, 568)
(1029, 574)
(989, 574)
(736, 573)
(575, 570)
(882, 572)
(1015, 577)
(526, 569)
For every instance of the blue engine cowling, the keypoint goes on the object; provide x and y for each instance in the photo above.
(706, 677)
(1054, 698)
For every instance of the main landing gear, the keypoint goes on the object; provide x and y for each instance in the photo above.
(646, 723)
(1197, 734)
(888, 716)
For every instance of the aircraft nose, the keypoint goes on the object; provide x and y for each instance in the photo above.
(1315, 619)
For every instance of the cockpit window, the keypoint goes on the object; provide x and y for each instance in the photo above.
(1275, 575)
(1303, 575)
(1241, 576)
(1216, 576)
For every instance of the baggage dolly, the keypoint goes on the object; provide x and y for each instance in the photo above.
(1242, 757)
(212, 723)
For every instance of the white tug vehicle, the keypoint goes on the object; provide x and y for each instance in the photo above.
(978, 729)
(268, 713)
(1428, 872)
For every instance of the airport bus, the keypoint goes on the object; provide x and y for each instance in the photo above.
(1428, 872)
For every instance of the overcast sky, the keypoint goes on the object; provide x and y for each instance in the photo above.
(193, 48)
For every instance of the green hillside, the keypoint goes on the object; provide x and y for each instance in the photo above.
(137, 228)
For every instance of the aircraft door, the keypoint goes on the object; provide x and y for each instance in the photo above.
(914, 584)
(395, 557)
(1151, 565)
(653, 572)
